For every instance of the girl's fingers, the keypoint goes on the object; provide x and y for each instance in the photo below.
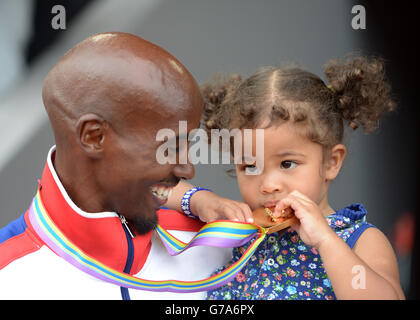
(230, 210)
(246, 212)
(292, 202)
(237, 211)
(231, 214)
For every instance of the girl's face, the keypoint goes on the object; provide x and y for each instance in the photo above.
(291, 162)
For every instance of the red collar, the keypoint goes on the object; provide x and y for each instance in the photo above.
(101, 235)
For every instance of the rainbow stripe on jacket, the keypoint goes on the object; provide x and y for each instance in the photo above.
(220, 233)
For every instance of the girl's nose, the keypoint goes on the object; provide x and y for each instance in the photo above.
(270, 185)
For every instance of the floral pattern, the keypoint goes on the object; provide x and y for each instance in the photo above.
(284, 268)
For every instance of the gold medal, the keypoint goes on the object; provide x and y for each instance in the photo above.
(271, 214)
(265, 218)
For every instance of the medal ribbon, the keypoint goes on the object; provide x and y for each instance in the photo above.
(222, 233)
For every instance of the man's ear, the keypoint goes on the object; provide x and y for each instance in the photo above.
(334, 161)
(91, 130)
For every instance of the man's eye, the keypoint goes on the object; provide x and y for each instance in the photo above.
(287, 164)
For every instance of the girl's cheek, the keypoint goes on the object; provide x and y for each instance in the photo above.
(249, 193)
(312, 190)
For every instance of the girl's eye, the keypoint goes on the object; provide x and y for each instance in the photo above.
(288, 164)
(248, 166)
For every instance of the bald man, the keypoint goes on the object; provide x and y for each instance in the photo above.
(106, 100)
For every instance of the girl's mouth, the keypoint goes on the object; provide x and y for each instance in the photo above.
(271, 203)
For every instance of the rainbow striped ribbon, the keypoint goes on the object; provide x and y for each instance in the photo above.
(226, 234)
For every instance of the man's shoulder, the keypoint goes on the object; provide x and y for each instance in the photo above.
(16, 241)
(173, 220)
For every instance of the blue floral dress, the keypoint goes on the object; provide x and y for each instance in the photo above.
(284, 268)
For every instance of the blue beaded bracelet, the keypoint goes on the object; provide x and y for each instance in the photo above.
(185, 202)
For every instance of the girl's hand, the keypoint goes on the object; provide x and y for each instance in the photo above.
(208, 206)
(313, 228)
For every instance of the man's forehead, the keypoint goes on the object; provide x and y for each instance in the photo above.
(180, 131)
(178, 136)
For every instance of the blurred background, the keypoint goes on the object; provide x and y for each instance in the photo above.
(229, 36)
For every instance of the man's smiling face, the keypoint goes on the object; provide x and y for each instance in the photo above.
(140, 185)
(106, 99)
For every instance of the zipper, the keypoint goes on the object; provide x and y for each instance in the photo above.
(130, 254)
(127, 228)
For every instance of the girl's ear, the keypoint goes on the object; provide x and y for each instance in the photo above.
(334, 161)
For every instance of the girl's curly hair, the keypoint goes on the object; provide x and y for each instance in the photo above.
(357, 94)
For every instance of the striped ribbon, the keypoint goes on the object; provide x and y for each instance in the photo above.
(226, 234)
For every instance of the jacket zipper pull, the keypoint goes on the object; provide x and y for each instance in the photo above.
(124, 222)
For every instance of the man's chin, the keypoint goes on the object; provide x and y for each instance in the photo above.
(145, 221)
(144, 225)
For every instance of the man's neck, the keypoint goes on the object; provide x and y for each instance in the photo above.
(78, 183)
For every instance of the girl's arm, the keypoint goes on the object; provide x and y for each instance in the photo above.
(208, 206)
(369, 271)
(174, 202)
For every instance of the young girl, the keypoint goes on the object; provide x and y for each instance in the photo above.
(329, 254)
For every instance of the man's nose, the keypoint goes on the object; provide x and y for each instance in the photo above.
(184, 171)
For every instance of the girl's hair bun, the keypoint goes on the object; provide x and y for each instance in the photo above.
(214, 94)
(361, 88)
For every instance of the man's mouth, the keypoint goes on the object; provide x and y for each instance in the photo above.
(161, 193)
